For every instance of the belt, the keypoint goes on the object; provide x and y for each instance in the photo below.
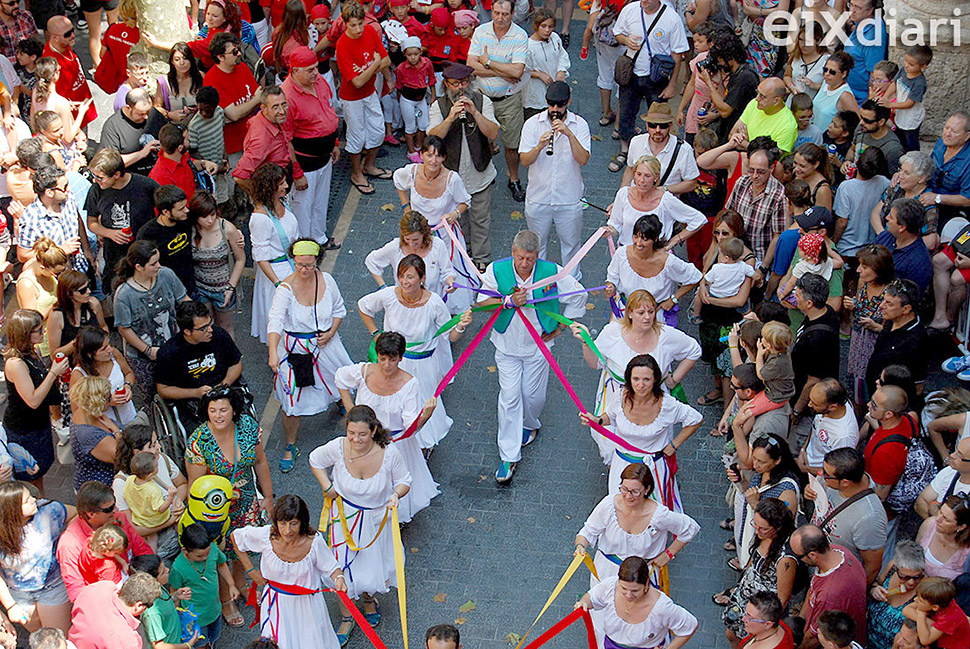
(635, 459)
(279, 259)
(611, 557)
(498, 99)
(418, 355)
(608, 643)
(302, 335)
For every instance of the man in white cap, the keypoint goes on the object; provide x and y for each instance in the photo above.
(311, 125)
(555, 145)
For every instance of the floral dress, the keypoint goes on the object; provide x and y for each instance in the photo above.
(762, 54)
(884, 620)
(863, 340)
(203, 450)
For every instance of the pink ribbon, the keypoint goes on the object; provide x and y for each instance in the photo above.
(571, 264)
(457, 245)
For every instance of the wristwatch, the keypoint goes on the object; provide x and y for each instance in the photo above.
(488, 65)
(673, 298)
(938, 200)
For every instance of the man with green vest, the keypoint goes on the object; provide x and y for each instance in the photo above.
(523, 373)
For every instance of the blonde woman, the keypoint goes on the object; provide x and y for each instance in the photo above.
(45, 97)
(37, 284)
(93, 434)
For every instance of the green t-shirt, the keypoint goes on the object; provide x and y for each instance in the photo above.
(203, 579)
(782, 126)
(161, 621)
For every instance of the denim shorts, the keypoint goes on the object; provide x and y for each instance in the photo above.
(212, 631)
(52, 593)
(214, 298)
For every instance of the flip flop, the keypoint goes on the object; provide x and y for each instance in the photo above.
(727, 524)
(331, 245)
(362, 187)
(606, 120)
(706, 400)
(731, 546)
(383, 175)
(734, 564)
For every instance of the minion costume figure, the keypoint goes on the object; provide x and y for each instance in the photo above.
(209, 501)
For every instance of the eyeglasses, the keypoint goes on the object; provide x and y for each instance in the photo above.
(826, 476)
(748, 618)
(873, 82)
(109, 509)
(68, 33)
(915, 577)
(557, 104)
(631, 492)
(206, 327)
(11, 4)
(306, 265)
(663, 125)
(869, 121)
(757, 172)
(828, 70)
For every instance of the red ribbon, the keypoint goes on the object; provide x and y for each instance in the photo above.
(559, 626)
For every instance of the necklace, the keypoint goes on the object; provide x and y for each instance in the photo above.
(142, 286)
(408, 301)
(201, 572)
(368, 452)
(426, 178)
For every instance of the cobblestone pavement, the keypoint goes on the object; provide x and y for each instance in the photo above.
(502, 549)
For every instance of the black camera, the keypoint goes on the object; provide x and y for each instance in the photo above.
(709, 64)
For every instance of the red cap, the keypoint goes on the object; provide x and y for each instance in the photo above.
(302, 57)
(440, 17)
(398, 3)
(319, 11)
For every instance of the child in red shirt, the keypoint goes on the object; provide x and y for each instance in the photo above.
(440, 43)
(414, 78)
(399, 12)
(939, 620)
(105, 558)
(117, 41)
(465, 23)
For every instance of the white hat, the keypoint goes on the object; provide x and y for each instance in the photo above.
(410, 41)
(395, 31)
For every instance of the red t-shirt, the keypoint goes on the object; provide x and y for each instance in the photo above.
(354, 55)
(118, 39)
(169, 172)
(234, 89)
(409, 76)
(71, 84)
(842, 589)
(441, 48)
(463, 44)
(415, 28)
(886, 465)
(952, 621)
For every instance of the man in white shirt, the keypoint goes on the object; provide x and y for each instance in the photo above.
(679, 170)
(555, 145)
(952, 480)
(835, 425)
(523, 373)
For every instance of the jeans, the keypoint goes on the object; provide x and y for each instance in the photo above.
(631, 96)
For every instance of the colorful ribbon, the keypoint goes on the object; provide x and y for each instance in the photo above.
(572, 263)
(559, 626)
(342, 518)
(566, 576)
(402, 602)
(459, 246)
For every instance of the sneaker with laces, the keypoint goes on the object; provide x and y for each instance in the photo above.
(504, 473)
(964, 375)
(956, 365)
(528, 436)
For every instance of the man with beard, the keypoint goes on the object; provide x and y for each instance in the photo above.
(465, 120)
(555, 145)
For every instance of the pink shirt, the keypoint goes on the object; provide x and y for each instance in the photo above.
(308, 116)
(100, 620)
(74, 541)
(265, 142)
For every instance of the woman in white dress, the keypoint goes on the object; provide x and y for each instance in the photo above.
(295, 566)
(304, 346)
(272, 228)
(644, 197)
(631, 524)
(416, 313)
(635, 615)
(645, 416)
(639, 332)
(367, 479)
(416, 239)
(645, 264)
(395, 396)
(439, 193)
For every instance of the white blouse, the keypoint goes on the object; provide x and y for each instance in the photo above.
(670, 209)
(603, 530)
(672, 347)
(664, 617)
(266, 241)
(652, 437)
(372, 492)
(416, 324)
(437, 263)
(675, 273)
(287, 314)
(395, 411)
(432, 208)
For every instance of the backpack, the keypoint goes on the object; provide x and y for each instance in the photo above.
(253, 61)
(919, 471)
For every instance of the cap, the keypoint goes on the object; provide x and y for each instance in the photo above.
(395, 31)
(319, 11)
(409, 42)
(398, 3)
(810, 244)
(302, 57)
(465, 17)
(457, 71)
(440, 17)
(659, 113)
(557, 92)
(815, 217)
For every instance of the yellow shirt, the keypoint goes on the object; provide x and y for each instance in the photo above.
(782, 126)
(143, 501)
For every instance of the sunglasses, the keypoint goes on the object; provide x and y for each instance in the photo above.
(829, 71)
(657, 124)
(868, 121)
(108, 510)
(68, 33)
(557, 104)
(84, 289)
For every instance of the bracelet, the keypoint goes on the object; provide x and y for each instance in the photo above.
(374, 333)
(673, 445)
(460, 330)
(669, 554)
(732, 346)
(251, 569)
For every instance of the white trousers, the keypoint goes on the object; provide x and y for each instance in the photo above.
(415, 115)
(522, 384)
(365, 123)
(606, 57)
(309, 206)
(569, 226)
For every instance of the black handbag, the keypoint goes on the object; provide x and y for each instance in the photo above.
(302, 364)
(623, 70)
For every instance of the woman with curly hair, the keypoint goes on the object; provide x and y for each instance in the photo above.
(273, 228)
(175, 98)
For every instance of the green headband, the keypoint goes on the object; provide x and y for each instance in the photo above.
(311, 248)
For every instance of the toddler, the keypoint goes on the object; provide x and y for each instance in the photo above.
(206, 139)
(28, 51)
(801, 108)
(150, 505)
(910, 87)
(815, 259)
(726, 277)
(940, 622)
(773, 364)
(106, 557)
(161, 620)
(696, 94)
(200, 567)
(415, 77)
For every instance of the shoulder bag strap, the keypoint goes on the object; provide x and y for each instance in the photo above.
(835, 512)
(949, 490)
(646, 32)
(281, 233)
(671, 164)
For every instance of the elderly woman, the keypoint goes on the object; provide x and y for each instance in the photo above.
(367, 477)
(644, 416)
(915, 171)
(395, 395)
(305, 348)
(762, 623)
(895, 589)
(639, 332)
(646, 264)
(93, 434)
(635, 614)
(645, 197)
(228, 444)
(771, 565)
(293, 558)
(416, 238)
(876, 270)
(30, 391)
(632, 524)
(440, 195)
(946, 538)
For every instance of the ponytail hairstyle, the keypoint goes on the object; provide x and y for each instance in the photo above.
(139, 254)
(46, 70)
(366, 415)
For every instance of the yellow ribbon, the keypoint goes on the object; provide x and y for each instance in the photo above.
(570, 571)
(342, 517)
(402, 602)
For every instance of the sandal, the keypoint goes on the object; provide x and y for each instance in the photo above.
(727, 524)
(374, 618)
(731, 546)
(343, 638)
(382, 174)
(286, 465)
(734, 564)
(617, 162)
(331, 245)
(364, 188)
(606, 120)
(723, 598)
(615, 134)
(235, 618)
(708, 400)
